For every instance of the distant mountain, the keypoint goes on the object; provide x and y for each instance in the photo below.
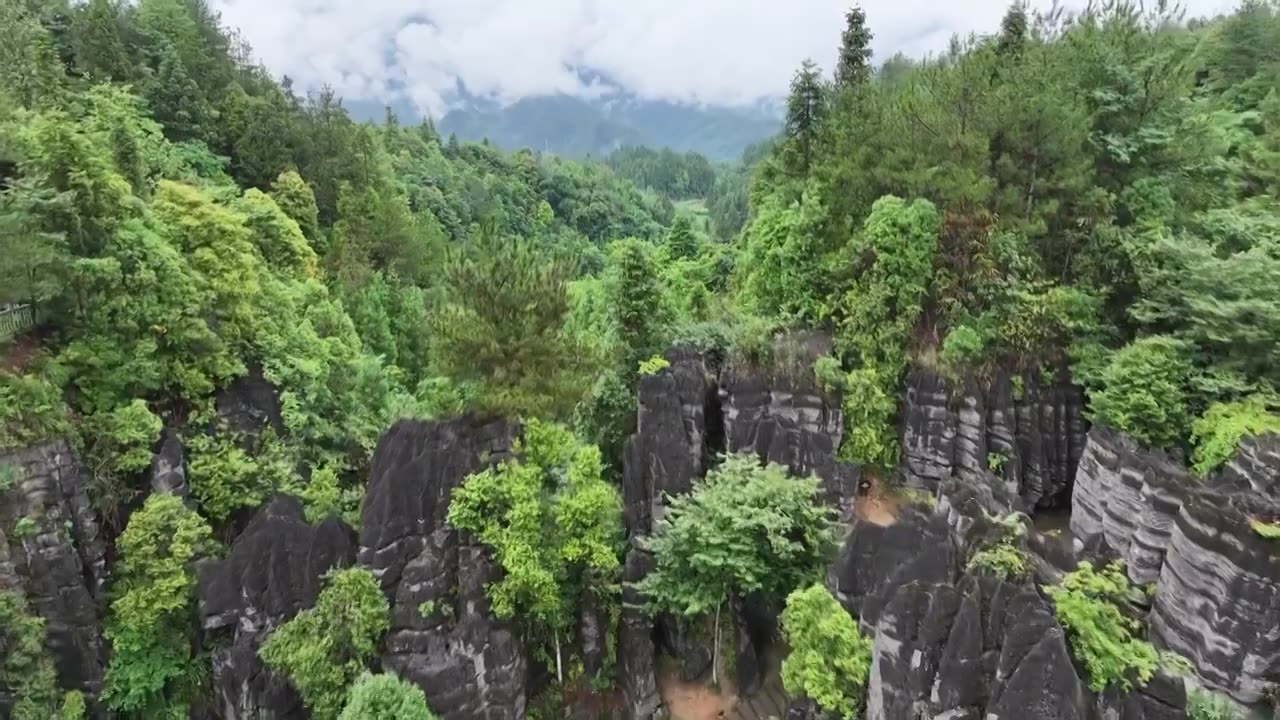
(574, 126)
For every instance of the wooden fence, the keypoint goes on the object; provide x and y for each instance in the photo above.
(15, 319)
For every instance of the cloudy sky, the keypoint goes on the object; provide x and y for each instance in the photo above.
(701, 51)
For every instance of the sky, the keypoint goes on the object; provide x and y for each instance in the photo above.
(720, 52)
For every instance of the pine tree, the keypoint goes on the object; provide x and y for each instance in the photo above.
(1013, 31)
(100, 54)
(853, 66)
(681, 240)
(806, 110)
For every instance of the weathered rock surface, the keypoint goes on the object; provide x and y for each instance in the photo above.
(471, 665)
(56, 557)
(958, 645)
(667, 451)
(1217, 599)
(1127, 498)
(1039, 433)
(784, 417)
(274, 570)
(637, 659)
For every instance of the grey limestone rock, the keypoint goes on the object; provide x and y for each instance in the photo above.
(471, 665)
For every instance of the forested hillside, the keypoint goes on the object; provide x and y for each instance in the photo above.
(217, 292)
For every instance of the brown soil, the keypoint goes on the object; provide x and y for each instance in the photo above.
(693, 700)
(17, 354)
(877, 506)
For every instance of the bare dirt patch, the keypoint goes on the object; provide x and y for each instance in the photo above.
(876, 505)
(693, 700)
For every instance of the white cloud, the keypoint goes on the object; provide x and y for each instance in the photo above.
(702, 51)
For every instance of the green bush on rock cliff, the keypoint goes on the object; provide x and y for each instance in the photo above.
(1091, 605)
(551, 522)
(1219, 431)
(385, 697)
(829, 657)
(324, 649)
(154, 669)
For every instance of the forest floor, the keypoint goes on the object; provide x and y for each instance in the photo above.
(699, 700)
(17, 353)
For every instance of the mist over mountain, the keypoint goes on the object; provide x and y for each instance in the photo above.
(577, 126)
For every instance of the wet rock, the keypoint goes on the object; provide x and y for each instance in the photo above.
(1255, 466)
(168, 466)
(56, 557)
(443, 635)
(274, 570)
(1035, 429)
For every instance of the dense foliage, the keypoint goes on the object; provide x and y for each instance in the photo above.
(1093, 606)
(154, 669)
(829, 657)
(26, 672)
(385, 697)
(322, 650)
(553, 524)
(744, 529)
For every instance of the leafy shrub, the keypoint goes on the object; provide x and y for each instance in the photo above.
(222, 475)
(31, 410)
(9, 476)
(152, 662)
(1143, 393)
(324, 649)
(870, 403)
(1218, 432)
(653, 365)
(26, 669)
(25, 528)
(1090, 605)
(1002, 558)
(963, 347)
(829, 658)
(830, 376)
(385, 697)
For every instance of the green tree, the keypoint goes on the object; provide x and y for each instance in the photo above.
(295, 198)
(385, 697)
(743, 529)
(829, 658)
(634, 294)
(853, 64)
(324, 649)
(806, 112)
(154, 669)
(100, 51)
(680, 238)
(1218, 432)
(552, 523)
(501, 333)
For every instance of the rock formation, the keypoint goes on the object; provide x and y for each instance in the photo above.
(781, 414)
(1217, 582)
(274, 569)
(55, 556)
(1031, 434)
(443, 636)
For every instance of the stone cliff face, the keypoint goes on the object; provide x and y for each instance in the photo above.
(1217, 582)
(954, 644)
(785, 418)
(471, 665)
(1032, 438)
(274, 569)
(55, 557)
